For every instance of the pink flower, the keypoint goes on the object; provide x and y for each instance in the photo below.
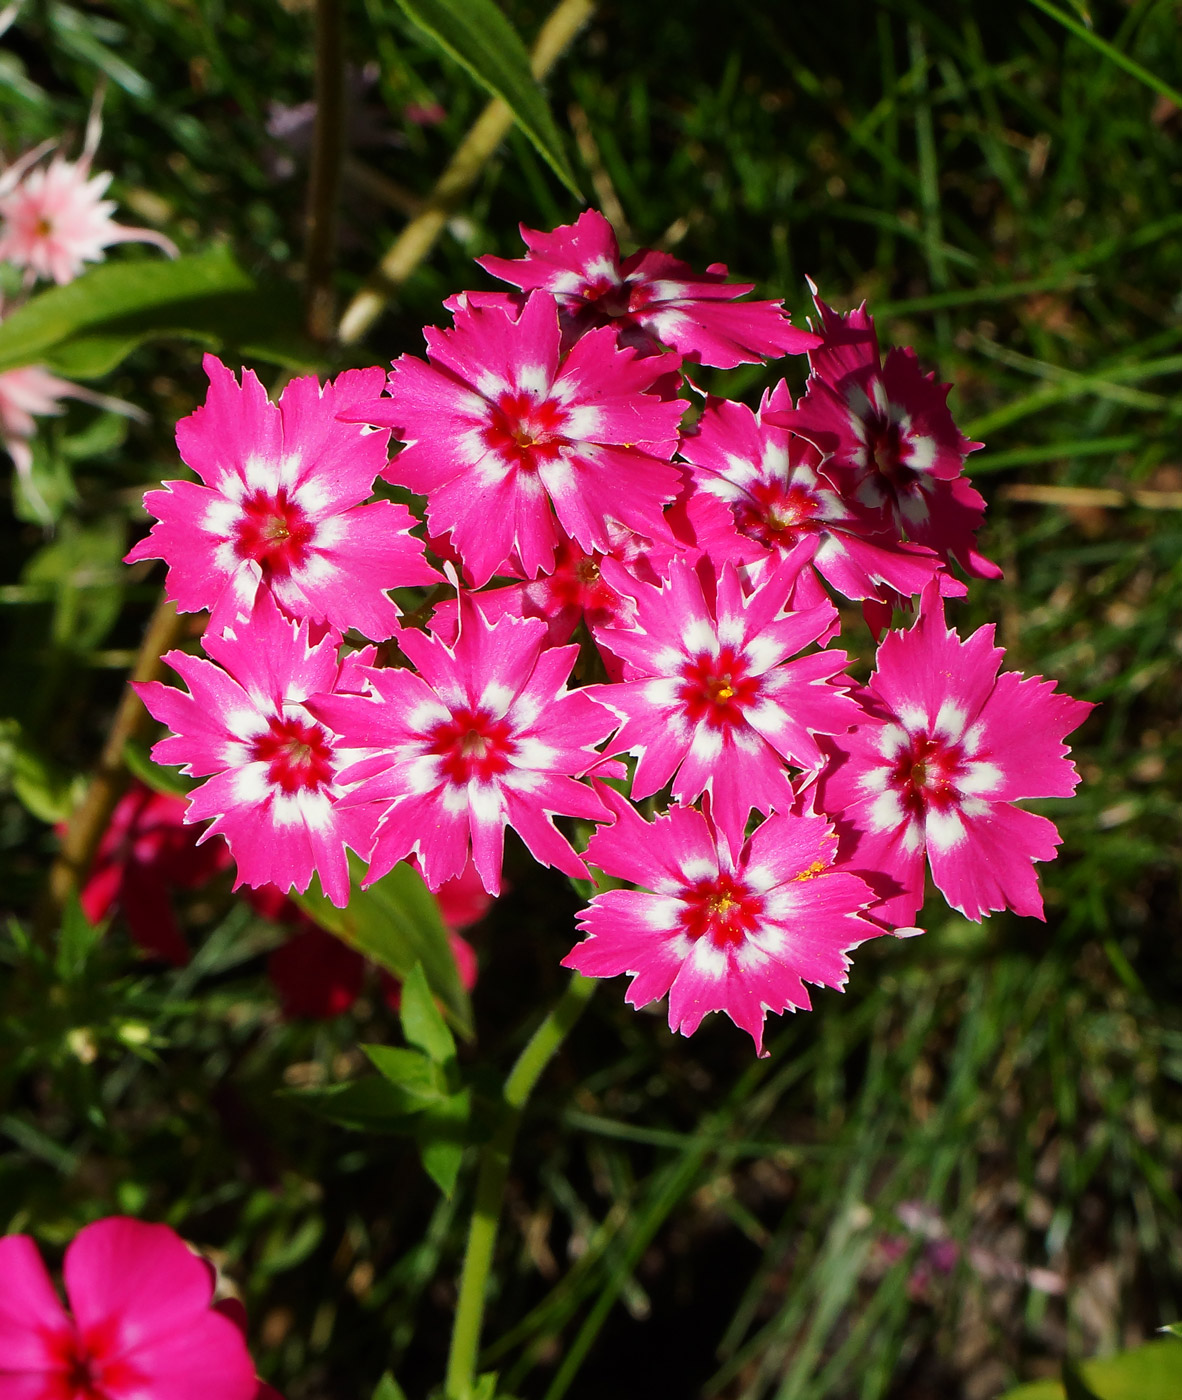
(944, 750)
(719, 924)
(140, 1325)
(146, 851)
(652, 299)
(781, 497)
(889, 439)
(274, 770)
(709, 697)
(25, 395)
(504, 434)
(279, 508)
(56, 219)
(485, 735)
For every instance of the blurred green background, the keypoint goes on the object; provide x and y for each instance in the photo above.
(944, 1181)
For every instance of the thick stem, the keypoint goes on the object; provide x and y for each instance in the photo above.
(490, 1183)
(418, 237)
(86, 826)
(324, 179)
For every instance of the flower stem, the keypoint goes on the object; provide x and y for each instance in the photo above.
(324, 181)
(490, 1183)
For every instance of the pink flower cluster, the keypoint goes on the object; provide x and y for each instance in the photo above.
(681, 567)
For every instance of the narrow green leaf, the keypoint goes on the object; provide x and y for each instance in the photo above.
(389, 1389)
(396, 923)
(479, 37)
(371, 1105)
(411, 1074)
(1173, 1328)
(421, 1022)
(75, 941)
(139, 764)
(442, 1136)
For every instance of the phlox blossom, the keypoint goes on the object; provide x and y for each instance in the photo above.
(56, 219)
(779, 495)
(718, 923)
(516, 445)
(483, 735)
(710, 698)
(279, 508)
(945, 748)
(651, 298)
(139, 1327)
(273, 769)
(889, 439)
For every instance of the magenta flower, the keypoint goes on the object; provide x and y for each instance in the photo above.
(140, 1325)
(484, 736)
(274, 770)
(651, 299)
(889, 439)
(944, 750)
(56, 219)
(720, 924)
(279, 508)
(709, 697)
(504, 433)
(780, 496)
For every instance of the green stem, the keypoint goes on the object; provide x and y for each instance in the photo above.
(490, 1183)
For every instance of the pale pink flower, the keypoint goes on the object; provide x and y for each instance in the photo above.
(718, 923)
(515, 444)
(27, 394)
(889, 440)
(483, 736)
(780, 496)
(945, 748)
(279, 508)
(710, 698)
(274, 770)
(56, 219)
(650, 298)
(140, 1324)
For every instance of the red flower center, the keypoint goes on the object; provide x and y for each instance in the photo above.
(525, 430)
(472, 744)
(274, 531)
(298, 753)
(723, 908)
(925, 773)
(717, 688)
(778, 513)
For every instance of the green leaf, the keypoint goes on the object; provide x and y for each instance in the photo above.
(41, 786)
(1149, 1372)
(75, 942)
(1173, 1328)
(442, 1136)
(396, 923)
(479, 37)
(410, 1073)
(389, 1389)
(369, 1105)
(138, 762)
(87, 327)
(421, 1022)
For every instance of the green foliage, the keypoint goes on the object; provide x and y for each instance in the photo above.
(1149, 1372)
(477, 35)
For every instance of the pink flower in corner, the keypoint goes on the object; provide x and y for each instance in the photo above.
(720, 924)
(56, 219)
(140, 1324)
(944, 750)
(279, 507)
(710, 698)
(274, 771)
(780, 497)
(651, 298)
(889, 439)
(485, 735)
(515, 444)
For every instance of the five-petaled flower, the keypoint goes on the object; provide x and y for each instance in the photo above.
(946, 746)
(140, 1324)
(515, 444)
(273, 769)
(484, 735)
(651, 299)
(279, 508)
(719, 923)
